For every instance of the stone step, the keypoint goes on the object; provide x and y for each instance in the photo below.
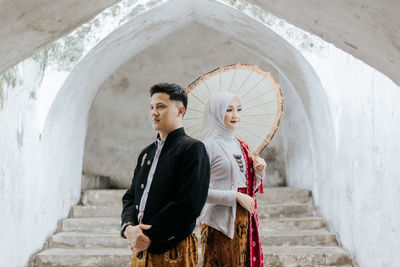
(301, 223)
(305, 256)
(268, 238)
(94, 257)
(110, 197)
(95, 211)
(298, 238)
(87, 240)
(112, 224)
(285, 210)
(97, 225)
(100, 224)
(276, 195)
(120, 257)
(96, 182)
(272, 195)
(265, 211)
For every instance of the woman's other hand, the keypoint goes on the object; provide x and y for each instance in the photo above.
(259, 165)
(245, 201)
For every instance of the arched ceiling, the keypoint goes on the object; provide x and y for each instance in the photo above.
(367, 29)
(28, 25)
(71, 107)
(146, 29)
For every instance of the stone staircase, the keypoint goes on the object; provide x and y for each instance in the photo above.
(291, 234)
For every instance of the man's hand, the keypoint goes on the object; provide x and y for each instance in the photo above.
(259, 165)
(245, 201)
(138, 241)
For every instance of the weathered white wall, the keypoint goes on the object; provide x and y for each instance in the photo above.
(17, 147)
(358, 192)
(30, 202)
(118, 124)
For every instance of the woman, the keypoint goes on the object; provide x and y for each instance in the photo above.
(229, 232)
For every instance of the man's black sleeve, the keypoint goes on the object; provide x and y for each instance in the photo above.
(128, 200)
(192, 182)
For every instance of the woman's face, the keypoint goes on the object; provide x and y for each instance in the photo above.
(233, 114)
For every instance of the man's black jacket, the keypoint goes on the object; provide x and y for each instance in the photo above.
(177, 193)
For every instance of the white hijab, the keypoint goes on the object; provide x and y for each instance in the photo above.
(213, 125)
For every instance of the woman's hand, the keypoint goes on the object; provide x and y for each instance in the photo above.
(245, 201)
(259, 165)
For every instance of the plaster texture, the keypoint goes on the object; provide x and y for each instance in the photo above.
(29, 25)
(30, 202)
(357, 27)
(358, 189)
(368, 29)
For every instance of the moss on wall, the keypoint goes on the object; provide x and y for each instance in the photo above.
(7, 80)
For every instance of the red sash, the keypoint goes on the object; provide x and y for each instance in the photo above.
(256, 254)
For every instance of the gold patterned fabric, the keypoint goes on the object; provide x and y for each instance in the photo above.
(183, 255)
(218, 250)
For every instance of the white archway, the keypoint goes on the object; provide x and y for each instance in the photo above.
(299, 81)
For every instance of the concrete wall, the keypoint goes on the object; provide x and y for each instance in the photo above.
(118, 124)
(358, 190)
(31, 202)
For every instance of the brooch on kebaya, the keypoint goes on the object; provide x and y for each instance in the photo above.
(239, 161)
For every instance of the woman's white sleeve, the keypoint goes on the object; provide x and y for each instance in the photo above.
(221, 197)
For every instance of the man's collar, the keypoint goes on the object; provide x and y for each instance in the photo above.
(173, 134)
(160, 142)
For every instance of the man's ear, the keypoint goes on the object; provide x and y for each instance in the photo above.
(181, 111)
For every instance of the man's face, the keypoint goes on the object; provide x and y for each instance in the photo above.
(164, 113)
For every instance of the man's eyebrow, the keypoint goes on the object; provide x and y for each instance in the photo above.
(158, 103)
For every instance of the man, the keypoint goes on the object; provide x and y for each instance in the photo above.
(169, 187)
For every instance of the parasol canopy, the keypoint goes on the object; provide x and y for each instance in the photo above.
(261, 96)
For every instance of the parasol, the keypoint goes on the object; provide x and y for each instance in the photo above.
(261, 97)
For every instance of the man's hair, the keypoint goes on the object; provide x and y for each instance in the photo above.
(174, 91)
